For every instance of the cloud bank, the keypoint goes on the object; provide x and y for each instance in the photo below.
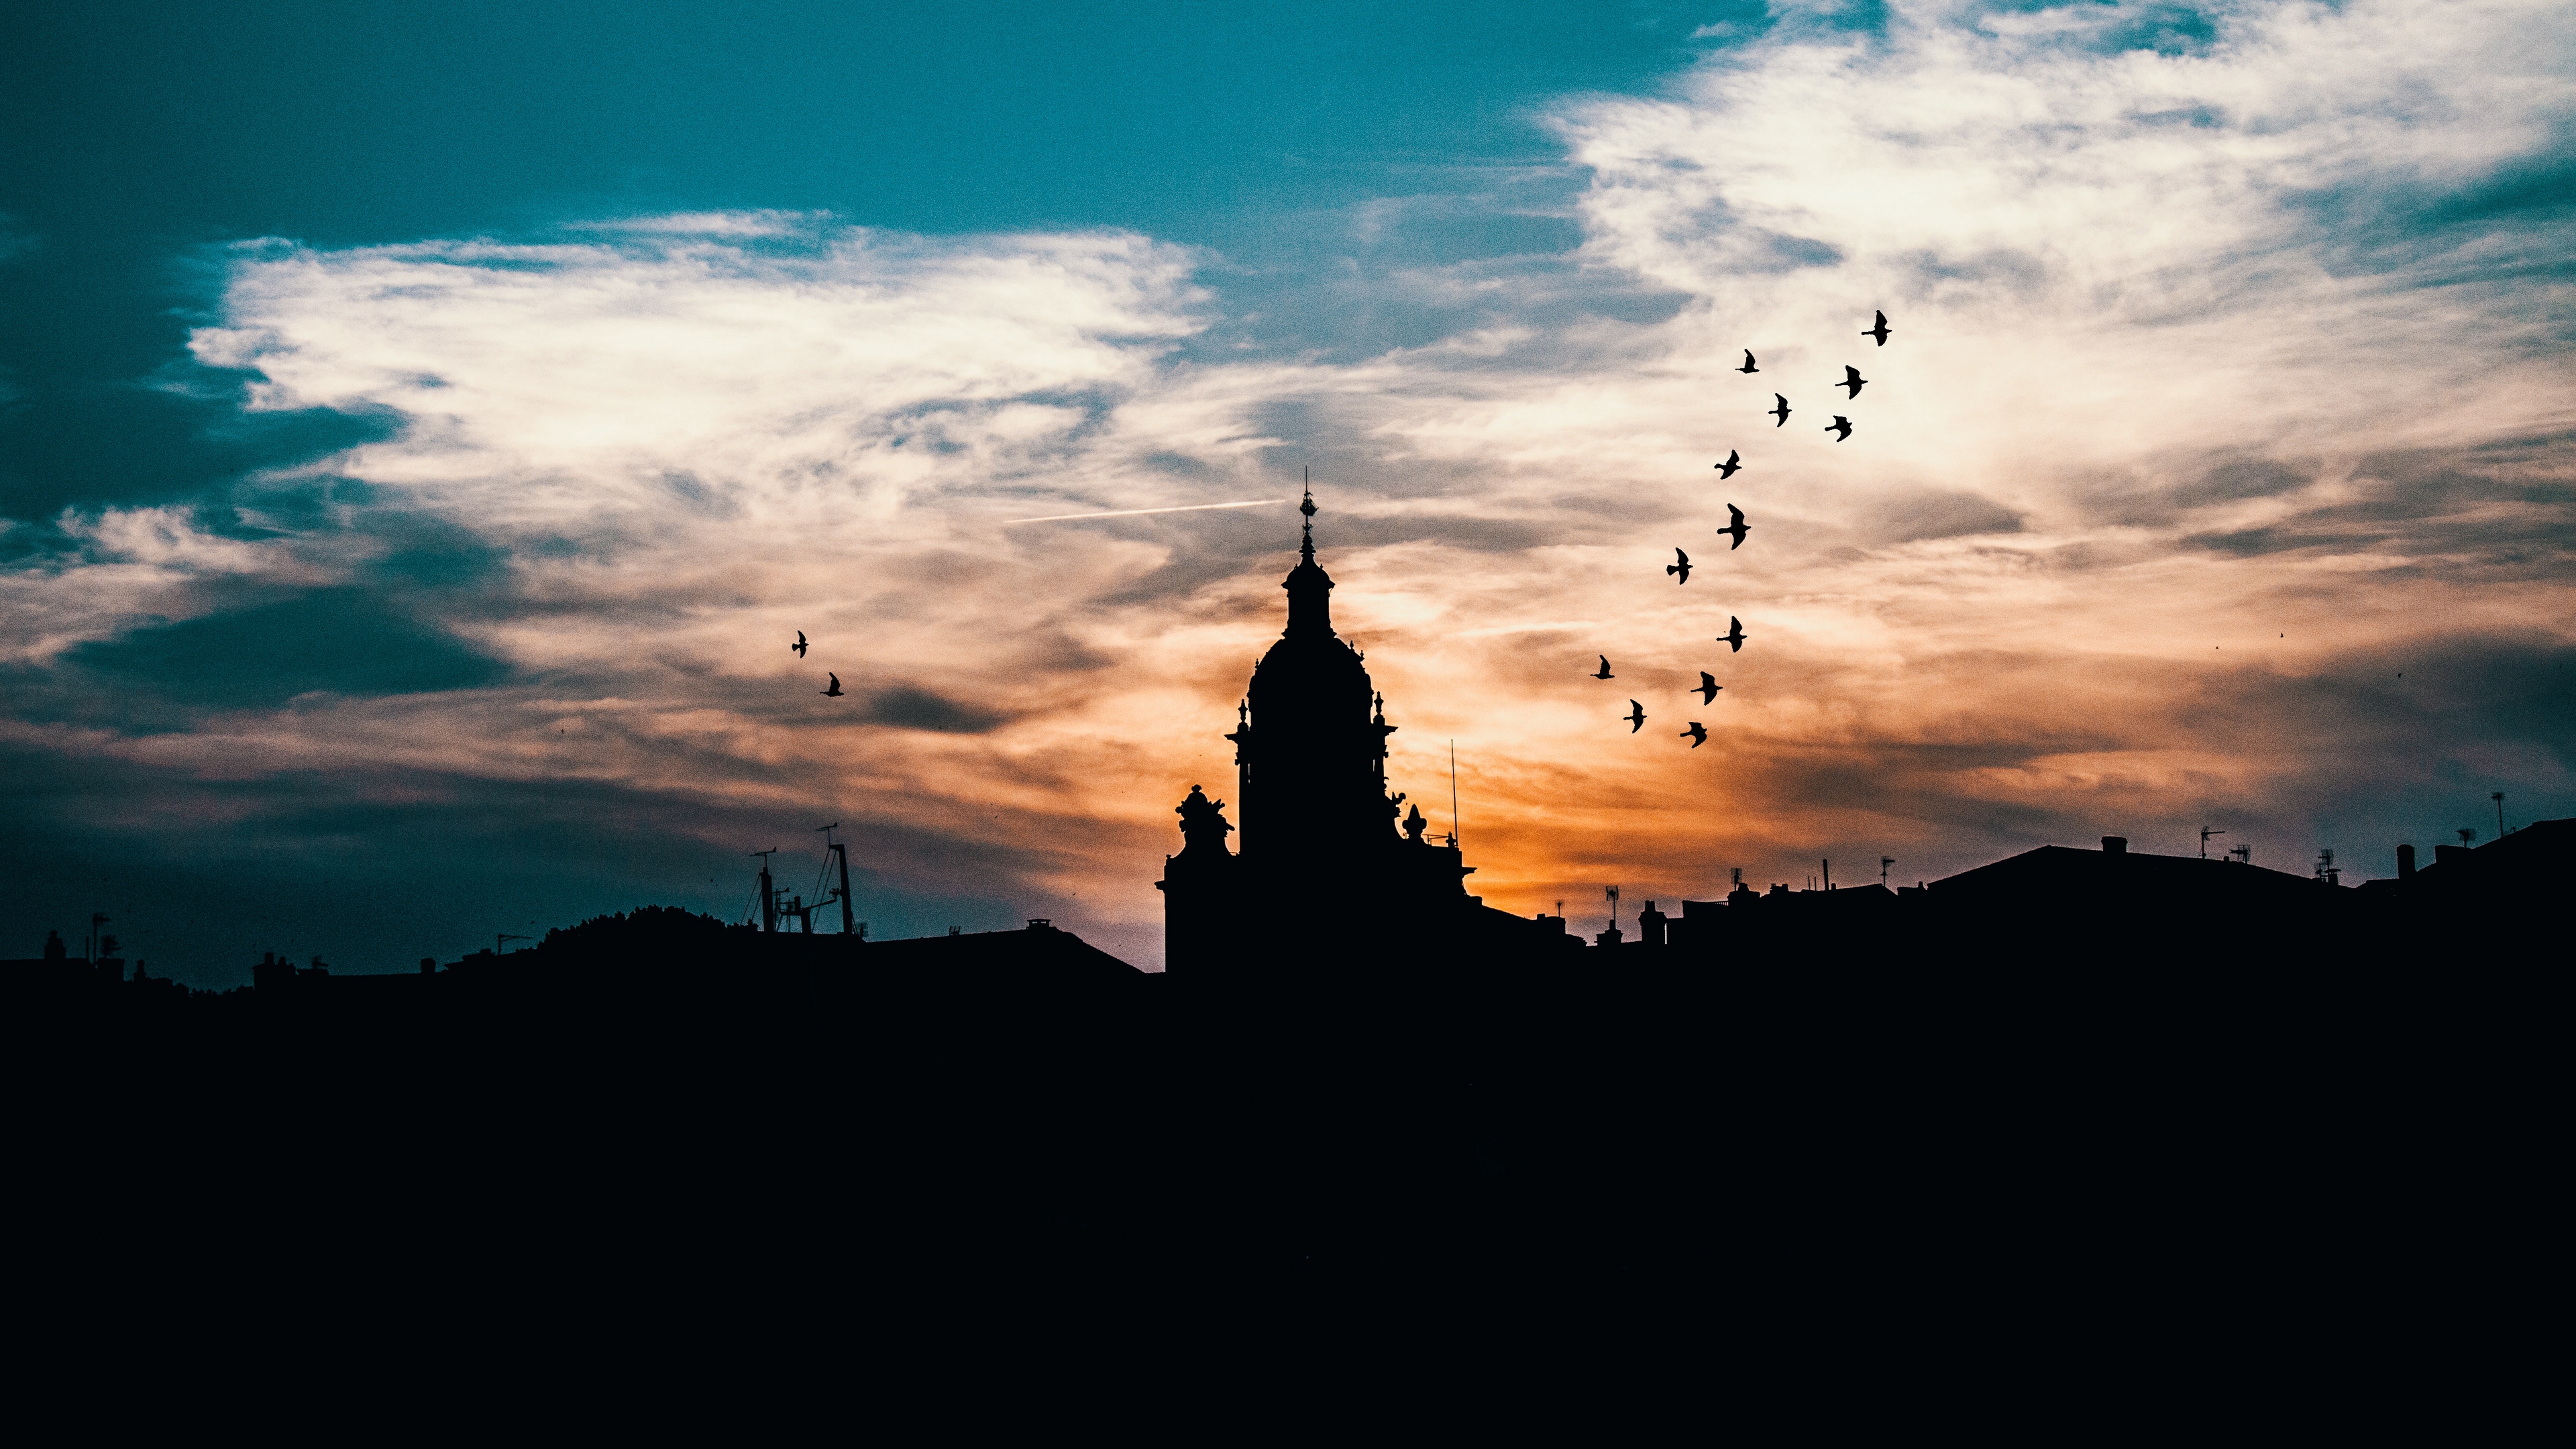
(2218, 472)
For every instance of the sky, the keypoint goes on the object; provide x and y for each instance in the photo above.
(422, 430)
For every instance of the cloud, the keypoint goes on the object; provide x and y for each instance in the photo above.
(2230, 380)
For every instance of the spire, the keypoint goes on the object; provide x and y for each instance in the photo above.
(1310, 607)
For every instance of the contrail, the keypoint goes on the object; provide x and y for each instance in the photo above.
(1132, 512)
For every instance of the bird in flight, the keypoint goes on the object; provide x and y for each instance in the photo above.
(799, 645)
(1682, 568)
(1734, 460)
(1636, 716)
(1734, 635)
(1748, 368)
(1736, 526)
(1605, 669)
(1841, 428)
(1708, 688)
(835, 691)
(1697, 734)
(1879, 331)
(1852, 379)
(1782, 411)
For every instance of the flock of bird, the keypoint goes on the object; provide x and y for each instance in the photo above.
(1680, 568)
(1736, 528)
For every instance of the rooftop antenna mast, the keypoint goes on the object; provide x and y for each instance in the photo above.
(2205, 833)
(1453, 793)
(1884, 862)
(768, 892)
(2498, 797)
(840, 854)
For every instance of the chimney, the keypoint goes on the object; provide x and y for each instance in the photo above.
(428, 965)
(2115, 845)
(1650, 926)
(2405, 862)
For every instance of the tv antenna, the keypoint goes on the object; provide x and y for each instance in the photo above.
(506, 936)
(2205, 833)
(2466, 835)
(2498, 797)
(1884, 862)
(1613, 893)
(768, 892)
(2242, 855)
(841, 855)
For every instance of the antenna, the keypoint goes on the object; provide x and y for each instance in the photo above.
(768, 893)
(1453, 793)
(2242, 855)
(2326, 870)
(2498, 797)
(841, 855)
(2466, 835)
(2205, 833)
(1884, 862)
(505, 936)
(1613, 893)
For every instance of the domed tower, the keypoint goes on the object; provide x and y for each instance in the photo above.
(1309, 754)
(1322, 883)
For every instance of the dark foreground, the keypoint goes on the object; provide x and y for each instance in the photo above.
(2298, 1132)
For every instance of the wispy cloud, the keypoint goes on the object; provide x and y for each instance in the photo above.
(2231, 379)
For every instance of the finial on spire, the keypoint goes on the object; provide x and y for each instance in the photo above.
(1307, 549)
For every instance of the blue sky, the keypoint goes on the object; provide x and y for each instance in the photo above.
(397, 394)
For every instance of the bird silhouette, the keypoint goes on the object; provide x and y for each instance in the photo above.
(1748, 368)
(1734, 635)
(799, 645)
(835, 691)
(1736, 526)
(1841, 428)
(1782, 411)
(1708, 688)
(1697, 734)
(1734, 460)
(1853, 380)
(1879, 331)
(1636, 716)
(1682, 568)
(1605, 669)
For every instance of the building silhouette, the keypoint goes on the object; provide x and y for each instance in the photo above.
(1321, 860)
